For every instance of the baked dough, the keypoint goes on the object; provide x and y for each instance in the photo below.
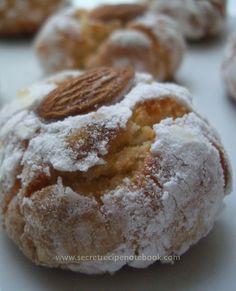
(111, 35)
(130, 170)
(229, 67)
(197, 18)
(21, 17)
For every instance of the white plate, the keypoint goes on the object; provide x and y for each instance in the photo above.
(211, 264)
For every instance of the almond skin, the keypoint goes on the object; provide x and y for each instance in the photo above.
(121, 12)
(86, 93)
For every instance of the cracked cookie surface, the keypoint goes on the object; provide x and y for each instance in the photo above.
(143, 175)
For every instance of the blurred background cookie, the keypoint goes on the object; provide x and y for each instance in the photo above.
(23, 17)
(197, 18)
(229, 67)
(111, 35)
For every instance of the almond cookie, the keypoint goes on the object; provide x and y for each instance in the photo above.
(110, 168)
(197, 18)
(111, 35)
(229, 67)
(21, 17)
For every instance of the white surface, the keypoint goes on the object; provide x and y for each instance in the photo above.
(232, 7)
(211, 264)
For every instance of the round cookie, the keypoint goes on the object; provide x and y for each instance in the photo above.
(111, 35)
(108, 163)
(229, 67)
(19, 17)
(197, 18)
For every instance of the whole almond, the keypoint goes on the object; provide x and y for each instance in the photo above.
(121, 12)
(86, 93)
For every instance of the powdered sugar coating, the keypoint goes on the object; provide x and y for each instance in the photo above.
(50, 145)
(129, 37)
(61, 22)
(197, 19)
(229, 67)
(159, 218)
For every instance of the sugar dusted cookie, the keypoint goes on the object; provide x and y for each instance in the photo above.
(23, 17)
(229, 67)
(197, 18)
(108, 163)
